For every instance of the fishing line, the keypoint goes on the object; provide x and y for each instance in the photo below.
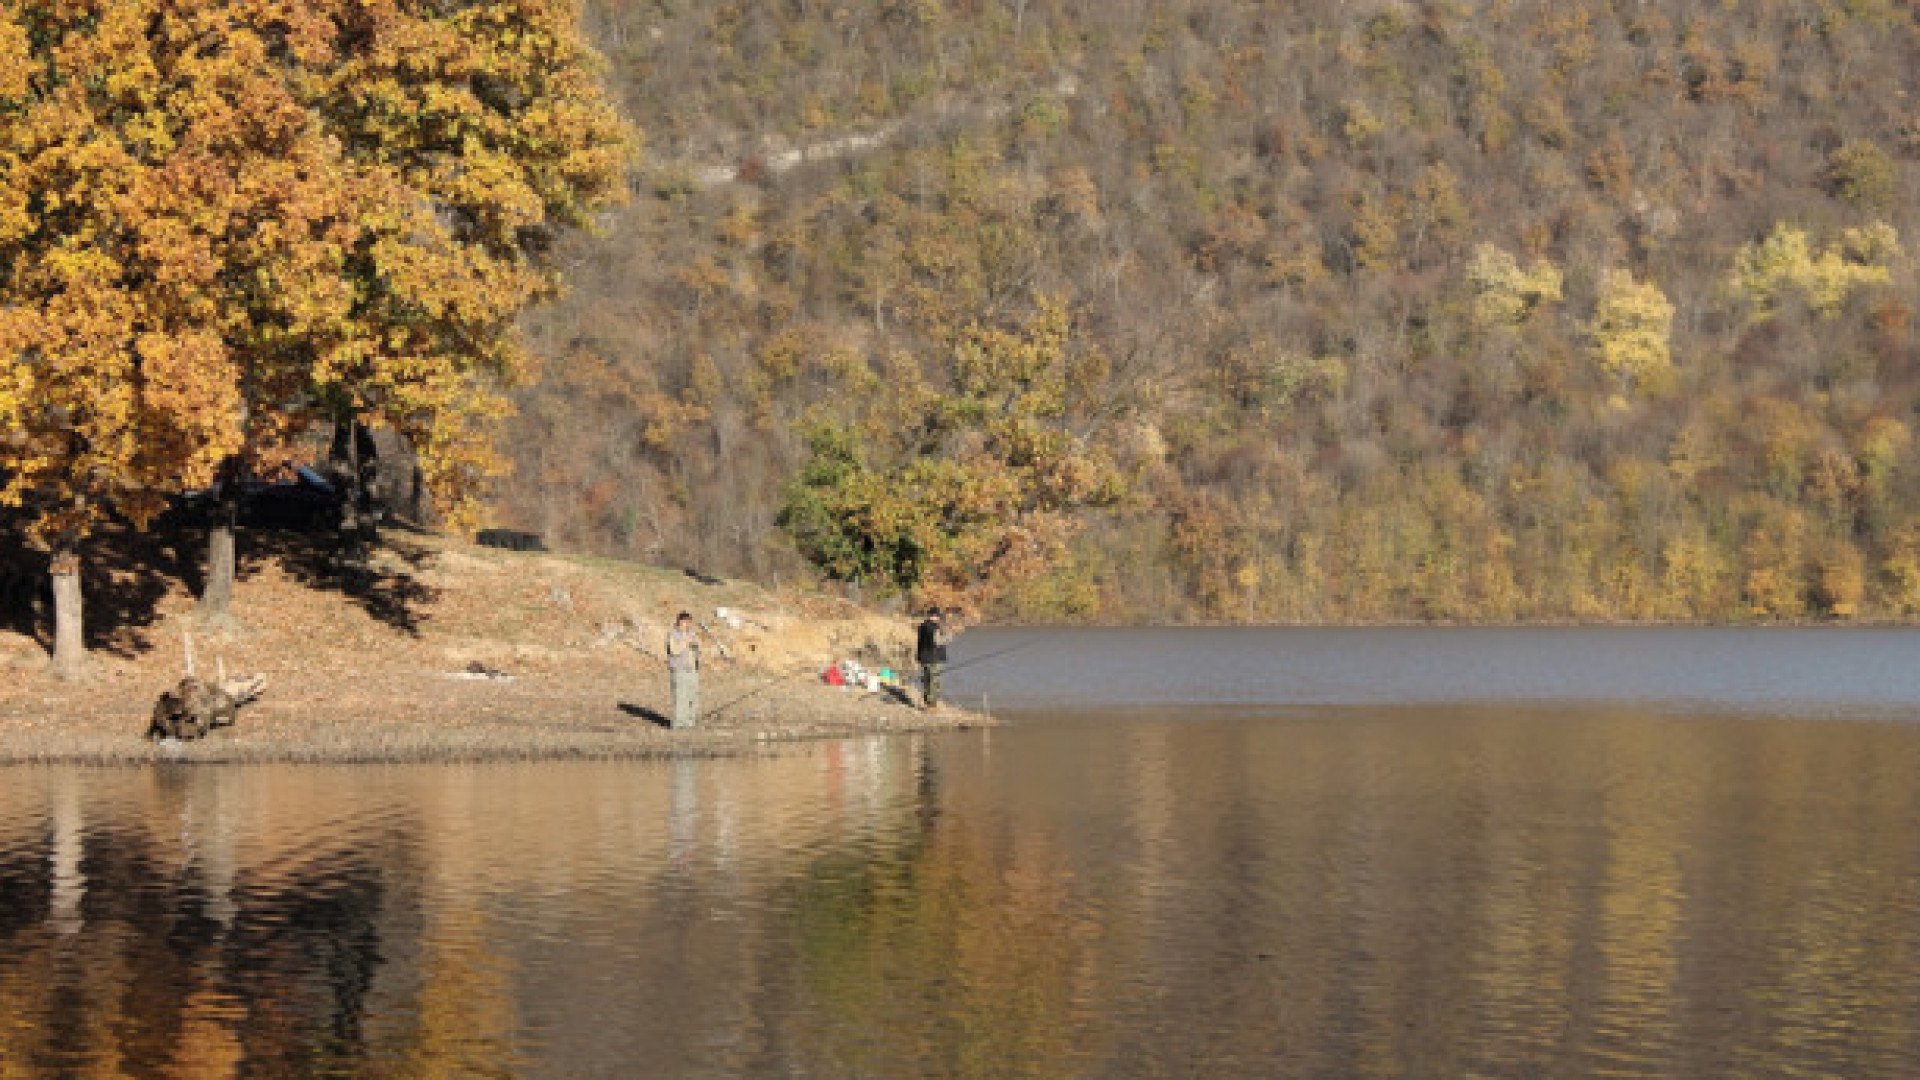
(756, 692)
(776, 680)
(1017, 646)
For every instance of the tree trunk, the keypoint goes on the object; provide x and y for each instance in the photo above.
(354, 448)
(345, 440)
(216, 600)
(69, 646)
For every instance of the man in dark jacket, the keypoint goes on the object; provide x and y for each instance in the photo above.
(931, 654)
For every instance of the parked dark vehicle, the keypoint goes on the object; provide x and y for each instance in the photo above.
(305, 502)
(510, 540)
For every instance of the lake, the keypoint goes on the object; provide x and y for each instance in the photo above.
(1288, 853)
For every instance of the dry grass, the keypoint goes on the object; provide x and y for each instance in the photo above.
(365, 665)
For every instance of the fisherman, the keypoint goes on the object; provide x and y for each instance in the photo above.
(683, 670)
(931, 654)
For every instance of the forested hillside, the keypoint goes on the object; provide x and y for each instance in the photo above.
(1500, 310)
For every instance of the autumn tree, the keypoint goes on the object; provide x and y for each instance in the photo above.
(249, 217)
(1631, 332)
(1503, 293)
(957, 491)
(488, 120)
(1862, 173)
(1786, 264)
(471, 136)
(295, 207)
(147, 151)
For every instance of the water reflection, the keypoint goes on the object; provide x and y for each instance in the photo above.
(1336, 893)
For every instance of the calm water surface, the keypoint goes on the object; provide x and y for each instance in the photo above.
(1804, 672)
(1389, 869)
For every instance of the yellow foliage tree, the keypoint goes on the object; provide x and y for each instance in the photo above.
(1774, 562)
(134, 202)
(1630, 332)
(1693, 577)
(1900, 570)
(1786, 262)
(485, 126)
(1839, 579)
(1879, 447)
(1503, 293)
(952, 496)
(468, 137)
(224, 219)
(1863, 174)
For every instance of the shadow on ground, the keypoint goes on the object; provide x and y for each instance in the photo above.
(126, 573)
(651, 716)
(383, 580)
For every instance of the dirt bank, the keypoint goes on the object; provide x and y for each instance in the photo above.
(435, 650)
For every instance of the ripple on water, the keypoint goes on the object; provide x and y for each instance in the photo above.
(1341, 893)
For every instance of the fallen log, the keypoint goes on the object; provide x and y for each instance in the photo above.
(195, 707)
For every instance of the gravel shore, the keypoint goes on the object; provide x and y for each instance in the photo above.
(497, 656)
(441, 718)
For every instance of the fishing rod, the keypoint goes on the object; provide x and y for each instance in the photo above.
(725, 653)
(756, 692)
(1017, 646)
(776, 680)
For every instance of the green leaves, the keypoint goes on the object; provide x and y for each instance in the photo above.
(969, 490)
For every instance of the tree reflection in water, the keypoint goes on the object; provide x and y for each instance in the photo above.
(138, 950)
(1353, 893)
(949, 952)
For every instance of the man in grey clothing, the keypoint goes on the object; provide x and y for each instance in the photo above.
(683, 671)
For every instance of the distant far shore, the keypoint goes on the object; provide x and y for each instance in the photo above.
(437, 651)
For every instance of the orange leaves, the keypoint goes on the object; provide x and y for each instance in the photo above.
(123, 215)
(15, 61)
(190, 404)
(246, 215)
(479, 133)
